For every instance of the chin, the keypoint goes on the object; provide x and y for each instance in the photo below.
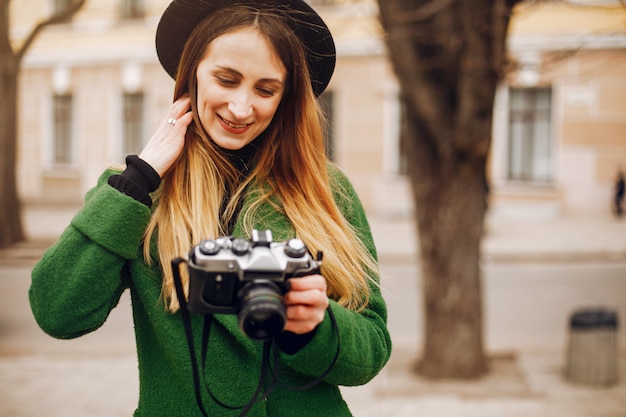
(231, 145)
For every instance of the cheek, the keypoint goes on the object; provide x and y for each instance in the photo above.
(207, 90)
(207, 97)
(268, 111)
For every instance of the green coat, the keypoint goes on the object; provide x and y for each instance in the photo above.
(80, 280)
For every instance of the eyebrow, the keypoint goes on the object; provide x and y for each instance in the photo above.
(239, 74)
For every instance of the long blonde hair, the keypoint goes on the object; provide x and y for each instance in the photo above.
(199, 195)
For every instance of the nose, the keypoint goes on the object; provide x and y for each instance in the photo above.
(240, 105)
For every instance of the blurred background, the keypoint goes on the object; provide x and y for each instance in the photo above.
(91, 91)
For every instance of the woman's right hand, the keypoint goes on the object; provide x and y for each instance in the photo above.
(166, 144)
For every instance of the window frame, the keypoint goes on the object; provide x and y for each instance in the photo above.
(63, 129)
(529, 129)
(133, 124)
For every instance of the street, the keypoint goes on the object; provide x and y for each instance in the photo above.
(526, 305)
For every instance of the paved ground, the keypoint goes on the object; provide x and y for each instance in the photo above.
(105, 386)
(96, 376)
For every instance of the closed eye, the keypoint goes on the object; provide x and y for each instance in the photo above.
(266, 92)
(269, 88)
(226, 82)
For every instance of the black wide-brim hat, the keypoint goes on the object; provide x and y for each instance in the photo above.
(182, 16)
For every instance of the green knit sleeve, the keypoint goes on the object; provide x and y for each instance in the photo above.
(361, 339)
(79, 280)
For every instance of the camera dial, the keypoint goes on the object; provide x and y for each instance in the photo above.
(295, 248)
(240, 247)
(210, 247)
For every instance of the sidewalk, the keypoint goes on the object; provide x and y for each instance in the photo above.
(527, 386)
(555, 239)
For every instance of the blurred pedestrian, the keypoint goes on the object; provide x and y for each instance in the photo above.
(619, 194)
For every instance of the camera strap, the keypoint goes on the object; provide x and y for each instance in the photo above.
(266, 367)
(206, 329)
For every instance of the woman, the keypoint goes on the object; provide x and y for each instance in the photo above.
(241, 148)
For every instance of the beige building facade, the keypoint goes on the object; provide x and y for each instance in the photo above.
(569, 90)
(92, 91)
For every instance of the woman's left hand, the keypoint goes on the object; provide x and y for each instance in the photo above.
(306, 303)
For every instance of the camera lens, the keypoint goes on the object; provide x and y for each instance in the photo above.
(262, 315)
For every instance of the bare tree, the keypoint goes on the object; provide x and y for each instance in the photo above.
(11, 229)
(449, 56)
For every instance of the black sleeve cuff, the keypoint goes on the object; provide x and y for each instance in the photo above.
(138, 180)
(291, 343)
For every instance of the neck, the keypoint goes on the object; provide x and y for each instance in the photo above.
(242, 159)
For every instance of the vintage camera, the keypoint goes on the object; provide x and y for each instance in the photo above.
(247, 278)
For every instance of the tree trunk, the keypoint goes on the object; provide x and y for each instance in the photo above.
(448, 55)
(449, 196)
(10, 214)
(11, 230)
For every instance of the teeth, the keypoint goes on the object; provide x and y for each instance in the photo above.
(234, 126)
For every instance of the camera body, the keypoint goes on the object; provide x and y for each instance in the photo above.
(248, 278)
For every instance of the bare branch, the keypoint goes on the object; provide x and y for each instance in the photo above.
(5, 41)
(59, 17)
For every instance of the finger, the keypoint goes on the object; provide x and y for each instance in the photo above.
(181, 104)
(308, 282)
(305, 313)
(307, 298)
(184, 120)
(180, 109)
(301, 319)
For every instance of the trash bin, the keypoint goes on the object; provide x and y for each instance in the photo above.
(592, 356)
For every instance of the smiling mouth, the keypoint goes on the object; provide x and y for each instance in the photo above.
(233, 125)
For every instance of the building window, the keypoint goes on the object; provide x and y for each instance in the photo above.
(404, 137)
(133, 9)
(326, 103)
(133, 125)
(530, 134)
(63, 142)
